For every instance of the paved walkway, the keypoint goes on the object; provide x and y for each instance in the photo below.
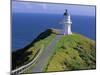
(45, 55)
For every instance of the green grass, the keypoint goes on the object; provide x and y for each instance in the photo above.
(72, 52)
(25, 55)
(29, 69)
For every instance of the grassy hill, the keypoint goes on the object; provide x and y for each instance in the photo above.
(71, 52)
(25, 55)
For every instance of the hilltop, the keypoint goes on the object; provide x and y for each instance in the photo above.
(71, 52)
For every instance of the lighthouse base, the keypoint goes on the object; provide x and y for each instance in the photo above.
(60, 32)
(67, 29)
(68, 33)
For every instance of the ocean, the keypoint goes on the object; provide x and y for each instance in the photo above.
(27, 26)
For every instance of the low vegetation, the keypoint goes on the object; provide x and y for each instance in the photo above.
(25, 55)
(72, 52)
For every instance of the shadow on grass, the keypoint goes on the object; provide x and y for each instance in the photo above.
(20, 56)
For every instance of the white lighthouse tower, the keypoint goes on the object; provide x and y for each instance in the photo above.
(67, 23)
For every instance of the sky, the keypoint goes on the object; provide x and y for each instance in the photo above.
(50, 8)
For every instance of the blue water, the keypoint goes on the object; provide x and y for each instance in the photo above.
(26, 27)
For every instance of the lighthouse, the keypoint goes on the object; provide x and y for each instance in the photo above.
(67, 23)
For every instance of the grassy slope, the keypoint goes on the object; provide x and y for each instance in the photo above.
(72, 52)
(25, 55)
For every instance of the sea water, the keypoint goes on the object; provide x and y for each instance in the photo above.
(27, 26)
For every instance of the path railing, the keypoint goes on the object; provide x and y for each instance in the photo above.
(23, 68)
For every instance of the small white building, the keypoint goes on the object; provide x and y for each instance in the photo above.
(67, 23)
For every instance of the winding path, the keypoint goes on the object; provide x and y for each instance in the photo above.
(41, 59)
(45, 55)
